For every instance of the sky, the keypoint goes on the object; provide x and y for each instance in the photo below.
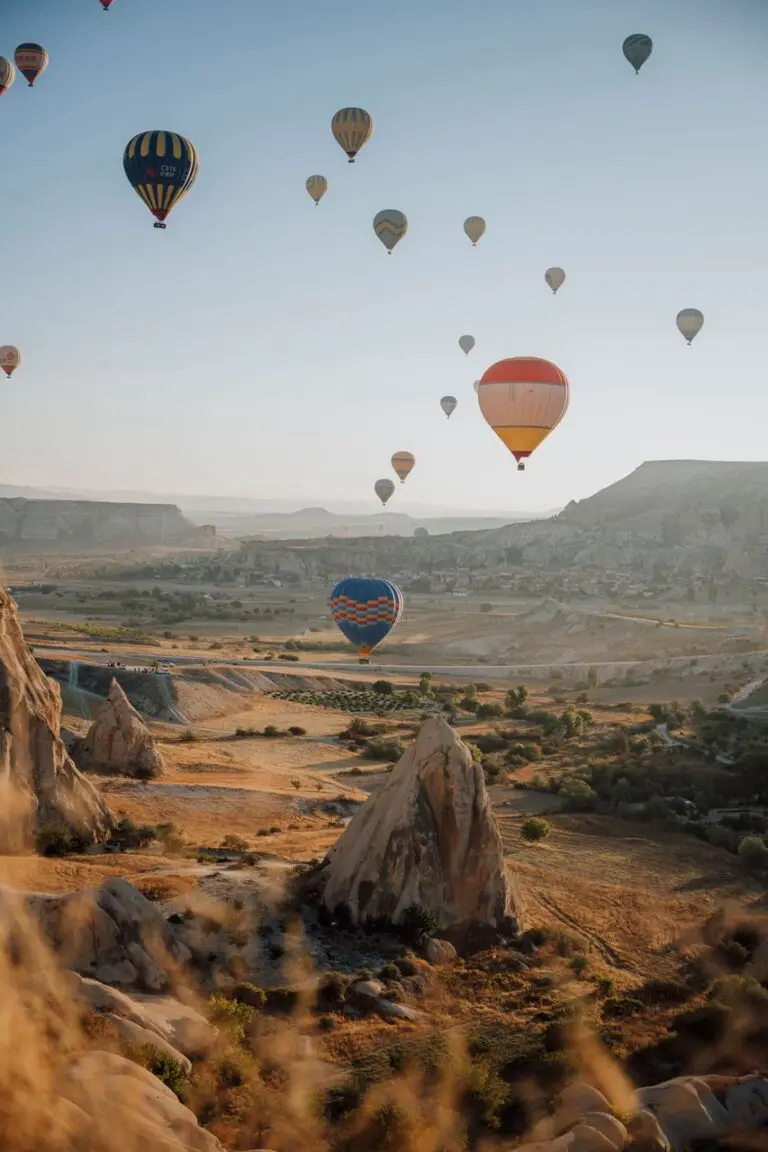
(264, 347)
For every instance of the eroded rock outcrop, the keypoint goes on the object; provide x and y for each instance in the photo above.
(119, 741)
(45, 791)
(428, 838)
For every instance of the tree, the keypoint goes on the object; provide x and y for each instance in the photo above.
(592, 677)
(535, 829)
(425, 683)
(383, 687)
(753, 852)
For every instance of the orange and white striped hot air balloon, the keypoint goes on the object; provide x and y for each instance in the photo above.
(403, 463)
(523, 399)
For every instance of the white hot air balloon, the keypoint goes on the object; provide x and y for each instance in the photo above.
(448, 405)
(317, 186)
(466, 343)
(555, 277)
(384, 489)
(689, 323)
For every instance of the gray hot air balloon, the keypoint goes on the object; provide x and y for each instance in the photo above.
(384, 489)
(448, 405)
(637, 48)
(555, 277)
(390, 226)
(466, 343)
(690, 322)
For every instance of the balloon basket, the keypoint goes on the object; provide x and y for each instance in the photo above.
(159, 223)
(521, 467)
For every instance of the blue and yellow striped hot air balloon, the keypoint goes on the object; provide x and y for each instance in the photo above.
(162, 167)
(365, 610)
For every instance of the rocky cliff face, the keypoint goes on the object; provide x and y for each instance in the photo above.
(42, 788)
(429, 839)
(84, 523)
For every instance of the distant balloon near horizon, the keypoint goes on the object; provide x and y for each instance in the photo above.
(420, 533)
(317, 186)
(365, 610)
(523, 399)
(390, 225)
(637, 48)
(384, 489)
(448, 405)
(555, 278)
(466, 343)
(10, 358)
(161, 167)
(352, 128)
(31, 60)
(403, 463)
(690, 322)
(7, 74)
(474, 226)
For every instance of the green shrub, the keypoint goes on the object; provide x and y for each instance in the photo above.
(383, 687)
(489, 711)
(579, 963)
(249, 994)
(233, 843)
(128, 834)
(55, 841)
(167, 1070)
(535, 828)
(383, 749)
(753, 852)
(297, 730)
(233, 1016)
(418, 923)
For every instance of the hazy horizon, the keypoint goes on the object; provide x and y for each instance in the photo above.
(265, 346)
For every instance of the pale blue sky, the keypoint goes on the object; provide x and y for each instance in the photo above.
(263, 347)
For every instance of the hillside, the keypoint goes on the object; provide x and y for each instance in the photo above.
(68, 525)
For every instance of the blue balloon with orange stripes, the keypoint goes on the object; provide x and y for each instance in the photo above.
(161, 167)
(366, 610)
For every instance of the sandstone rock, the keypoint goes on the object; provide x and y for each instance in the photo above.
(579, 1098)
(119, 741)
(646, 1134)
(440, 952)
(746, 1103)
(427, 838)
(686, 1109)
(586, 1138)
(608, 1126)
(137, 1038)
(111, 929)
(119, 1097)
(46, 792)
(367, 989)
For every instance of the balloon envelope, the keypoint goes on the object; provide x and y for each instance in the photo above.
(10, 358)
(474, 226)
(105, 4)
(555, 277)
(390, 226)
(7, 74)
(690, 322)
(448, 405)
(317, 186)
(637, 48)
(161, 167)
(523, 399)
(403, 463)
(31, 60)
(466, 343)
(352, 128)
(365, 610)
(384, 489)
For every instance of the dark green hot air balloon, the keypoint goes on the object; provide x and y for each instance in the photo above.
(637, 48)
(161, 167)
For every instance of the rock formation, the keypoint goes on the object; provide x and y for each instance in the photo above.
(428, 838)
(45, 791)
(118, 740)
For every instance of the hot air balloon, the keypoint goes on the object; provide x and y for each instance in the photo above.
(448, 405)
(161, 167)
(7, 74)
(690, 322)
(403, 463)
(637, 48)
(317, 186)
(31, 60)
(365, 610)
(474, 226)
(352, 128)
(466, 343)
(10, 358)
(555, 277)
(390, 226)
(476, 385)
(105, 4)
(384, 489)
(523, 399)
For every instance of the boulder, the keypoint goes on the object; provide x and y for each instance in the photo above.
(44, 791)
(111, 933)
(687, 1110)
(439, 952)
(119, 741)
(428, 838)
